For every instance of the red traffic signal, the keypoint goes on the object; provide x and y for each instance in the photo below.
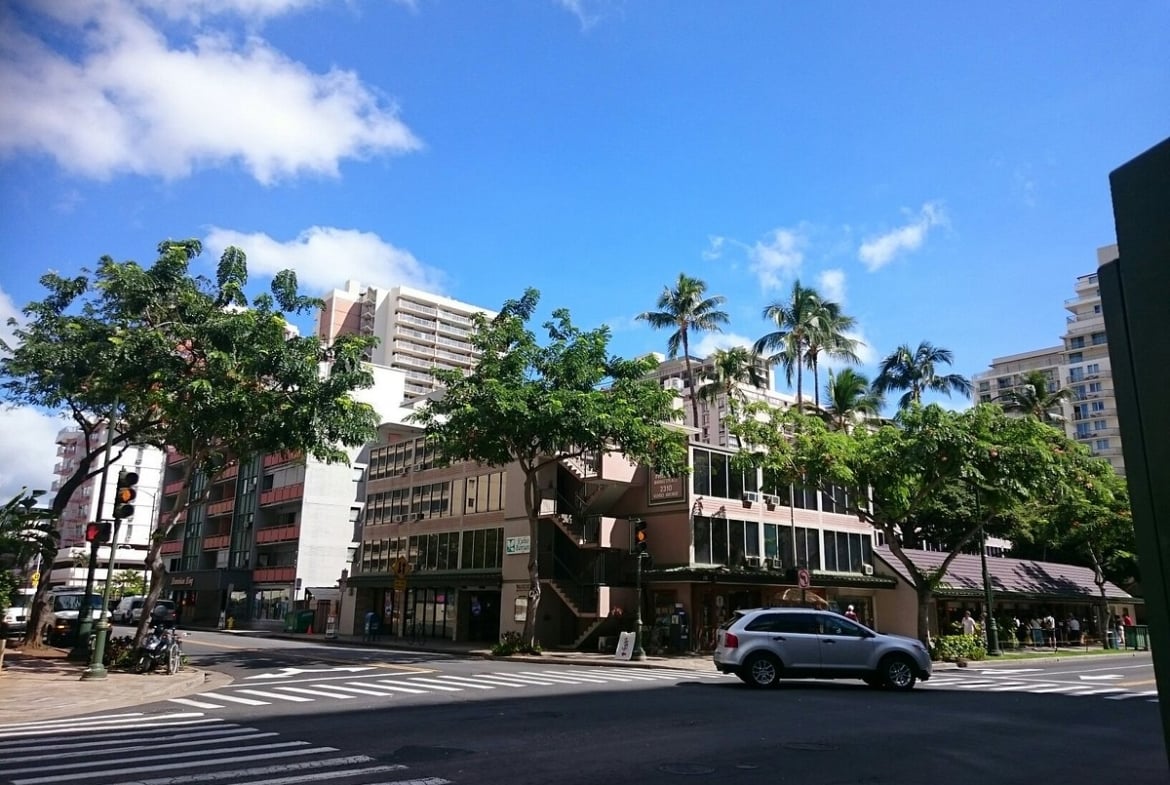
(93, 532)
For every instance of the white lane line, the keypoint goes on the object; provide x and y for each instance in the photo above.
(475, 685)
(1023, 686)
(58, 755)
(79, 730)
(68, 723)
(436, 685)
(305, 765)
(122, 739)
(423, 781)
(195, 704)
(556, 674)
(609, 677)
(246, 701)
(386, 685)
(170, 767)
(625, 674)
(278, 695)
(1047, 688)
(1098, 691)
(520, 681)
(1128, 695)
(989, 686)
(329, 775)
(498, 682)
(359, 690)
(145, 758)
(319, 693)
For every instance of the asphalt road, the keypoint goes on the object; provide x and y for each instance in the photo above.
(494, 722)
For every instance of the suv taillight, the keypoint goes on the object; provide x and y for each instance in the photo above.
(730, 641)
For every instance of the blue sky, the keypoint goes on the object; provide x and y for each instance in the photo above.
(940, 168)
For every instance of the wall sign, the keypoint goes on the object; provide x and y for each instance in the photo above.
(517, 545)
(667, 489)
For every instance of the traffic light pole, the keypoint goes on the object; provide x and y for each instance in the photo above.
(97, 668)
(85, 613)
(639, 653)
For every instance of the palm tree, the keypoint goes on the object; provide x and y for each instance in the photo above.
(688, 311)
(913, 370)
(796, 321)
(732, 368)
(848, 395)
(1033, 398)
(829, 338)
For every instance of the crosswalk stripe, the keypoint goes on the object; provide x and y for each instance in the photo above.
(1128, 695)
(194, 703)
(467, 682)
(171, 766)
(328, 775)
(71, 753)
(320, 693)
(162, 756)
(306, 765)
(68, 723)
(277, 695)
(389, 685)
(556, 674)
(359, 690)
(1097, 691)
(232, 698)
(1044, 689)
(43, 735)
(504, 682)
(519, 681)
(553, 677)
(423, 781)
(162, 736)
(625, 673)
(434, 685)
(1020, 687)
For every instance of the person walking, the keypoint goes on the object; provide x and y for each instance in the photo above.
(371, 627)
(850, 613)
(968, 623)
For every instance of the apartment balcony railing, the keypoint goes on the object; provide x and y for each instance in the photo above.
(171, 488)
(222, 507)
(172, 546)
(217, 542)
(277, 458)
(230, 473)
(274, 574)
(278, 534)
(284, 493)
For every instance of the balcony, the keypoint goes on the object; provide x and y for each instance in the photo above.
(274, 574)
(229, 473)
(278, 534)
(171, 488)
(215, 543)
(285, 493)
(221, 507)
(276, 458)
(172, 546)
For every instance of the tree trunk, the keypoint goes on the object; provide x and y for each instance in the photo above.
(532, 502)
(694, 394)
(925, 598)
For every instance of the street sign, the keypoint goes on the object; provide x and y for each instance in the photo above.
(401, 567)
(625, 647)
(803, 580)
(400, 583)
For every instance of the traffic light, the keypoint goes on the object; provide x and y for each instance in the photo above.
(93, 532)
(641, 541)
(124, 495)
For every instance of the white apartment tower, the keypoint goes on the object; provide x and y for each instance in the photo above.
(418, 331)
(1080, 364)
(148, 462)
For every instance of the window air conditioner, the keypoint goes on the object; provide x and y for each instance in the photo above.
(772, 563)
(751, 496)
(753, 561)
(772, 499)
(867, 569)
(419, 516)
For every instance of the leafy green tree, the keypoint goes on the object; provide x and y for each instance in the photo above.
(1034, 398)
(987, 463)
(732, 369)
(192, 364)
(536, 406)
(128, 583)
(687, 310)
(829, 337)
(25, 533)
(848, 399)
(914, 371)
(797, 320)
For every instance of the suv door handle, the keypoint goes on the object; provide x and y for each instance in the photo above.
(827, 640)
(779, 638)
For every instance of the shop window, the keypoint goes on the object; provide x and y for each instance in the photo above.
(702, 537)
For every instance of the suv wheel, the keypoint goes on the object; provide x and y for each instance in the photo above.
(897, 672)
(761, 670)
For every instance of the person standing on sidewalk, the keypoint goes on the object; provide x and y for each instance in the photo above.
(371, 627)
(968, 623)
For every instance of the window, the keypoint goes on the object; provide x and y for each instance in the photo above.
(1096, 406)
(808, 548)
(847, 551)
(1083, 430)
(1093, 369)
(1076, 342)
(1099, 425)
(837, 625)
(1101, 445)
(1095, 388)
(701, 475)
(1099, 338)
(1076, 357)
(1076, 374)
(702, 536)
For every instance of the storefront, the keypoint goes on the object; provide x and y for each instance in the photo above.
(422, 607)
(201, 595)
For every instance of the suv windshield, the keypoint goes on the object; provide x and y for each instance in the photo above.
(72, 602)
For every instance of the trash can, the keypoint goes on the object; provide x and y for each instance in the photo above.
(1137, 637)
(298, 621)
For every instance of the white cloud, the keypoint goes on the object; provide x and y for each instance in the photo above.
(116, 96)
(865, 353)
(588, 12)
(831, 285)
(876, 252)
(325, 257)
(8, 310)
(28, 442)
(714, 248)
(709, 342)
(777, 257)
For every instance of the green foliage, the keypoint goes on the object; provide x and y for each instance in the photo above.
(512, 642)
(119, 652)
(915, 372)
(128, 583)
(951, 648)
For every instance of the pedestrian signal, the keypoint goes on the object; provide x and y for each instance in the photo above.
(641, 542)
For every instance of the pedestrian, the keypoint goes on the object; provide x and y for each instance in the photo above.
(1074, 630)
(371, 626)
(1049, 626)
(968, 623)
(850, 613)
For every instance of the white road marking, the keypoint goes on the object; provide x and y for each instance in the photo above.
(359, 690)
(70, 753)
(387, 685)
(284, 673)
(164, 756)
(516, 680)
(435, 685)
(232, 698)
(318, 693)
(195, 704)
(83, 726)
(277, 695)
(475, 685)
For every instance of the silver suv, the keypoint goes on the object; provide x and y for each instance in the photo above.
(763, 645)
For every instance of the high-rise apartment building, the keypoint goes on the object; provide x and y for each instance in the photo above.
(418, 331)
(1080, 364)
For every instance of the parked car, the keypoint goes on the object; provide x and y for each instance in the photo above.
(763, 645)
(61, 626)
(163, 613)
(15, 620)
(125, 608)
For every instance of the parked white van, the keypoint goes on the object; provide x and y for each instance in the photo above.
(125, 609)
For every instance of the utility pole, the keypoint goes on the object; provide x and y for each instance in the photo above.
(85, 614)
(123, 508)
(988, 599)
(640, 544)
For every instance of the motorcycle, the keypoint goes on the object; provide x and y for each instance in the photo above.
(160, 648)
